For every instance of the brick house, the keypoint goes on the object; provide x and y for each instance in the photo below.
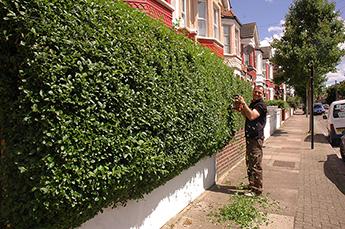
(250, 51)
(201, 21)
(232, 41)
(159, 9)
(267, 67)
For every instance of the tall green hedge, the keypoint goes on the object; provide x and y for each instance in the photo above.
(278, 102)
(100, 104)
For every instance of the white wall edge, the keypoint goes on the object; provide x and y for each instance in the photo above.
(163, 203)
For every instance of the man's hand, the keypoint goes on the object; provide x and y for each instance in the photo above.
(238, 105)
(245, 110)
(241, 100)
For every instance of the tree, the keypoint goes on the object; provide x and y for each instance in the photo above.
(313, 32)
(335, 92)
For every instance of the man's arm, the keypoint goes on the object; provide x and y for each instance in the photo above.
(247, 112)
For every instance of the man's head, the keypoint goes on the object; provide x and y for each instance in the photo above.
(258, 92)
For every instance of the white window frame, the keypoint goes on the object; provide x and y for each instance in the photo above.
(227, 39)
(237, 41)
(202, 20)
(264, 69)
(183, 7)
(246, 59)
(216, 22)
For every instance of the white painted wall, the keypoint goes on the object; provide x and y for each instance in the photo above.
(258, 66)
(267, 130)
(279, 118)
(273, 120)
(161, 204)
(271, 94)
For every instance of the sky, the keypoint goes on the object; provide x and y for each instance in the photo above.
(269, 16)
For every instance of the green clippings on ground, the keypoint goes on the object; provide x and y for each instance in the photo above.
(247, 212)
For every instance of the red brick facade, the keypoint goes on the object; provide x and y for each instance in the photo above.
(155, 9)
(232, 153)
(213, 45)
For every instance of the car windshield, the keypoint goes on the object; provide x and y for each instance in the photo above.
(317, 106)
(339, 111)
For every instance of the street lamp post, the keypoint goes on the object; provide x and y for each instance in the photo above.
(312, 105)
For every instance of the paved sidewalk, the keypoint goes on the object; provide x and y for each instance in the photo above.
(308, 184)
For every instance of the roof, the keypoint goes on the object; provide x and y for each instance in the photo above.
(247, 30)
(230, 15)
(266, 52)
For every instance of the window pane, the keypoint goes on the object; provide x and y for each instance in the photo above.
(226, 48)
(215, 16)
(202, 18)
(246, 59)
(183, 2)
(202, 9)
(183, 13)
(226, 30)
(202, 27)
(226, 39)
(215, 23)
(237, 42)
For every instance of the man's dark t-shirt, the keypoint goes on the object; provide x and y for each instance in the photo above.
(255, 128)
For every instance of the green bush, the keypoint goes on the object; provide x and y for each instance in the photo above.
(101, 104)
(294, 102)
(278, 102)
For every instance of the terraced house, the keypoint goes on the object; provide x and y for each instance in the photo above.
(201, 19)
(232, 41)
(213, 24)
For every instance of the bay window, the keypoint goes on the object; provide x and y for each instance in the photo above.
(216, 23)
(202, 18)
(227, 39)
(237, 42)
(183, 13)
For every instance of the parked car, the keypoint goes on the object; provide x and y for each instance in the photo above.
(342, 147)
(325, 106)
(336, 121)
(318, 109)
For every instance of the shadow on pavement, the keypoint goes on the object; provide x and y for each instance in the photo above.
(334, 169)
(280, 133)
(226, 189)
(319, 138)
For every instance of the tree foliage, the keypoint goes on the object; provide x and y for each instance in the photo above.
(313, 32)
(335, 92)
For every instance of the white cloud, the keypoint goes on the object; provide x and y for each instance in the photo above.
(337, 76)
(265, 42)
(277, 31)
(268, 0)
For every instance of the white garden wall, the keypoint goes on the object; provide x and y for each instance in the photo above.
(161, 204)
